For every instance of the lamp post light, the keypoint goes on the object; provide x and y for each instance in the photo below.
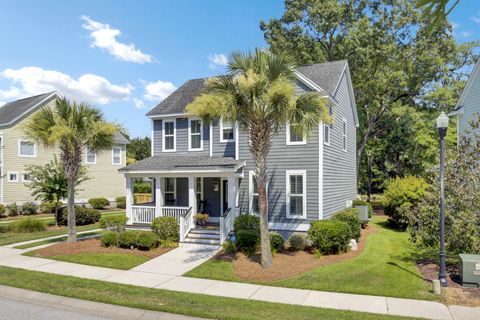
(442, 124)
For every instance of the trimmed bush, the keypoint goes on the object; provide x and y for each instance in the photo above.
(12, 209)
(30, 225)
(329, 236)
(114, 223)
(109, 239)
(98, 203)
(29, 208)
(351, 217)
(128, 239)
(297, 241)
(357, 203)
(121, 202)
(142, 187)
(166, 228)
(247, 222)
(147, 240)
(402, 194)
(247, 241)
(83, 216)
(276, 242)
(229, 247)
(168, 244)
(2, 209)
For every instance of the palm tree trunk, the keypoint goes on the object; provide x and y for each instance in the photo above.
(262, 178)
(72, 232)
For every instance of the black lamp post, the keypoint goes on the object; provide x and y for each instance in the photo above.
(442, 124)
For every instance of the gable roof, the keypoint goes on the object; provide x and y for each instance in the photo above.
(475, 73)
(324, 77)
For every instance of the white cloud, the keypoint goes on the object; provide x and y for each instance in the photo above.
(476, 18)
(88, 87)
(217, 60)
(466, 34)
(455, 25)
(157, 91)
(139, 104)
(105, 37)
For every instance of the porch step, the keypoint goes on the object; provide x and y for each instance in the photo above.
(203, 236)
(202, 241)
(205, 231)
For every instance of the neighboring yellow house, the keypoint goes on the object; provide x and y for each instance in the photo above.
(17, 153)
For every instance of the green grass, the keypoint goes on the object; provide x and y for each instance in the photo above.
(385, 268)
(40, 243)
(169, 301)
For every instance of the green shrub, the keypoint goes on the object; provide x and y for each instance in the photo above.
(128, 239)
(229, 247)
(142, 187)
(276, 242)
(83, 216)
(114, 223)
(29, 208)
(329, 236)
(247, 241)
(30, 225)
(49, 207)
(401, 194)
(247, 222)
(357, 203)
(147, 240)
(12, 209)
(297, 241)
(351, 217)
(109, 239)
(2, 209)
(121, 202)
(98, 203)
(166, 228)
(168, 244)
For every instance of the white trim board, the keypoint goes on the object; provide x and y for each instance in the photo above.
(302, 173)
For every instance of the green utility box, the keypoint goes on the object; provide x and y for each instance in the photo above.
(469, 270)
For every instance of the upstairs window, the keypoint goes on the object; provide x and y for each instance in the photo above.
(293, 135)
(116, 155)
(195, 135)
(26, 148)
(26, 177)
(12, 176)
(226, 131)
(169, 135)
(90, 157)
(296, 194)
(344, 135)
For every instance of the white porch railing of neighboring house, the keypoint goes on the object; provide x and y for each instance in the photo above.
(226, 222)
(186, 224)
(142, 214)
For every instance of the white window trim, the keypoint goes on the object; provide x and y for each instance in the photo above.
(23, 176)
(304, 197)
(174, 120)
(86, 157)
(344, 134)
(113, 156)
(24, 155)
(329, 136)
(201, 188)
(251, 175)
(10, 173)
(221, 131)
(190, 135)
(293, 143)
(165, 189)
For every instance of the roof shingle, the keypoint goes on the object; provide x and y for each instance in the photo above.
(12, 111)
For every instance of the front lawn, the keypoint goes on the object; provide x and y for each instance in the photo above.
(384, 268)
(122, 261)
(55, 240)
(170, 301)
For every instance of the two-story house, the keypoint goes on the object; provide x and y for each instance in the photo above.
(17, 153)
(195, 166)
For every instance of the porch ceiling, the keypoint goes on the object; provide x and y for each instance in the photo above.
(184, 163)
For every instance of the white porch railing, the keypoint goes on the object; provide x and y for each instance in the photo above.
(143, 214)
(146, 214)
(175, 212)
(226, 222)
(186, 224)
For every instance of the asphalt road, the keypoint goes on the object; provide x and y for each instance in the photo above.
(19, 310)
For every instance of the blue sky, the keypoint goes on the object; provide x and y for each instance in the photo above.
(126, 56)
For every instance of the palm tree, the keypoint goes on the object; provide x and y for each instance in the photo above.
(258, 93)
(73, 127)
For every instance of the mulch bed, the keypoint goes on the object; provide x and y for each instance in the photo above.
(93, 246)
(288, 264)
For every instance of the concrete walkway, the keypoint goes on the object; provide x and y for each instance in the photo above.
(165, 274)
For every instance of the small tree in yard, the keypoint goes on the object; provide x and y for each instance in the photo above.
(259, 94)
(73, 128)
(462, 205)
(49, 183)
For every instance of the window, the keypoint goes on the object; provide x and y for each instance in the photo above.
(195, 135)
(326, 134)
(12, 176)
(226, 131)
(169, 136)
(199, 189)
(296, 194)
(169, 191)
(293, 137)
(253, 191)
(91, 157)
(344, 135)
(116, 155)
(26, 148)
(26, 177)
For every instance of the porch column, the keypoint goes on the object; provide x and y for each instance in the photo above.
(128, 199)
(158, 196)
(192, 198)
(232, 192)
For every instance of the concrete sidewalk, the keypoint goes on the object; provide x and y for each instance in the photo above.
(161, 274)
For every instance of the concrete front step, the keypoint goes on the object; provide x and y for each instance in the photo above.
(208, 232)
(203, 236)
(202, 241)
(198, 245)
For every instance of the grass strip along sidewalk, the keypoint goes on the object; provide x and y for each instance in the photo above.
(170, 301)
(55, 240)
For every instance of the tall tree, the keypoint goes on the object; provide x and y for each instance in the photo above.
(49, 183)
(139, 149)
(259, 94)
(73, 128)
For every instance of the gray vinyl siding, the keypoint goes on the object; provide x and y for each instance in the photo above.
(339, 169)
(471, 106)
(212, 197)
(181, 138)
(224, 149)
